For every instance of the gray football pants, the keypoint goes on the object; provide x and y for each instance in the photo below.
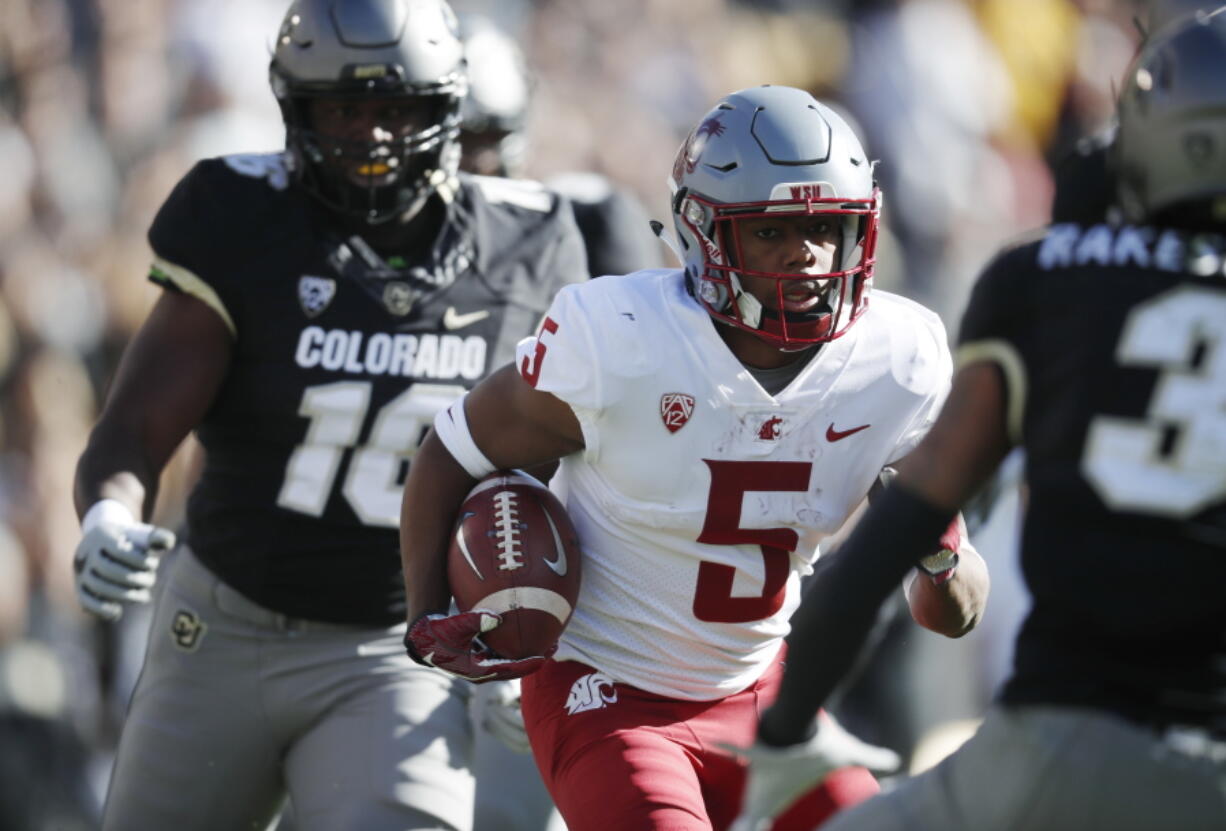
(1056, 769)
(236, 705)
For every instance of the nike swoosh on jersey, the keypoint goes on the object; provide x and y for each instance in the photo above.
(558, 566)
(454, 320)
(837, 435)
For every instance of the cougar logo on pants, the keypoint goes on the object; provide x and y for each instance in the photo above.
(589, 693)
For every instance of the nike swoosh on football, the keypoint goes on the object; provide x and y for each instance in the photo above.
(459, 538)
(558, 566)
(837, 435)
(454, 320)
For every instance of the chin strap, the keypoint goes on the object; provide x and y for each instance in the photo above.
(749, 306)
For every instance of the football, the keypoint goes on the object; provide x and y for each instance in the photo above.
(515, 552)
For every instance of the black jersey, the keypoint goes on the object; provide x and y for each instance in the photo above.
(1112, 342)
(342, 356)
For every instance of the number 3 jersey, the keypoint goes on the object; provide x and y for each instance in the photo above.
(341, 358)
(1112, 344)
(700, 499)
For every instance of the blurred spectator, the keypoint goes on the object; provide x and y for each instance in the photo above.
(493, 142)
(43, 760)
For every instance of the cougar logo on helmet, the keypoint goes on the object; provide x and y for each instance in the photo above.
(687, 157)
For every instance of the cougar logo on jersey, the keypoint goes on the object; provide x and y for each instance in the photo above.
(769, 431)
(188, 630)
(315, 293)
(676, 409)
(590, 693)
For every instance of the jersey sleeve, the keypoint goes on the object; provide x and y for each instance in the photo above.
(209, 221)
(927, 369)
(995, 328)
(562, 358)
(570, 355)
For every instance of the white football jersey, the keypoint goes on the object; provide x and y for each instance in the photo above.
(700, 499)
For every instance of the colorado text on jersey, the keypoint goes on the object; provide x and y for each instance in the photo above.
(416, 356)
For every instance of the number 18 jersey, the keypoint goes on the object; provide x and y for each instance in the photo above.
(700, 499)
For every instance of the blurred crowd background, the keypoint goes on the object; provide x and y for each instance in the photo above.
(104, 104)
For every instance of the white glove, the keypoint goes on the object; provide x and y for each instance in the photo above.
(116, 561)
(496, 710)
(777, 776)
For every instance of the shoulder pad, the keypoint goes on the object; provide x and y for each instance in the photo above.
(273, 168)
(521, 193)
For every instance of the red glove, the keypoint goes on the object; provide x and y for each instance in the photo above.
(951, 540)
(941, 564)
(452, 644)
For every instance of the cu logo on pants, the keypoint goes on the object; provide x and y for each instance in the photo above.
(590, 693)
(187, 630)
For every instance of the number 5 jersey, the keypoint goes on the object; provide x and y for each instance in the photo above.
(700, 499)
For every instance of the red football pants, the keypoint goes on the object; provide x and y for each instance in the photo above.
(616, 758)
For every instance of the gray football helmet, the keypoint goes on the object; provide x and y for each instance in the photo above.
(495, 111)
(1170, 149)
(370, 49)
(774, 151)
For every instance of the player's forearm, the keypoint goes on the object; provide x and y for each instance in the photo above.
(111, 468)
(828, 633)
(953, 607)
(838, 613)
(435, 488)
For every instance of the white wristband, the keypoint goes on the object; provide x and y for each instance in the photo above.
(451, 426)
(106, 510)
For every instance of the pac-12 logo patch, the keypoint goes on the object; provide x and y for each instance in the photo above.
(187, 630)
(676, 409)
(315, 293)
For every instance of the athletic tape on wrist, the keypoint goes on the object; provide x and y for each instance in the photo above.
(107, 510)
(451, 426)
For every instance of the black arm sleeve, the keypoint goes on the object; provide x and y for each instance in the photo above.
(838, 612)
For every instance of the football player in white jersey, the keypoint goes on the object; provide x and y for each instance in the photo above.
(714, 425)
